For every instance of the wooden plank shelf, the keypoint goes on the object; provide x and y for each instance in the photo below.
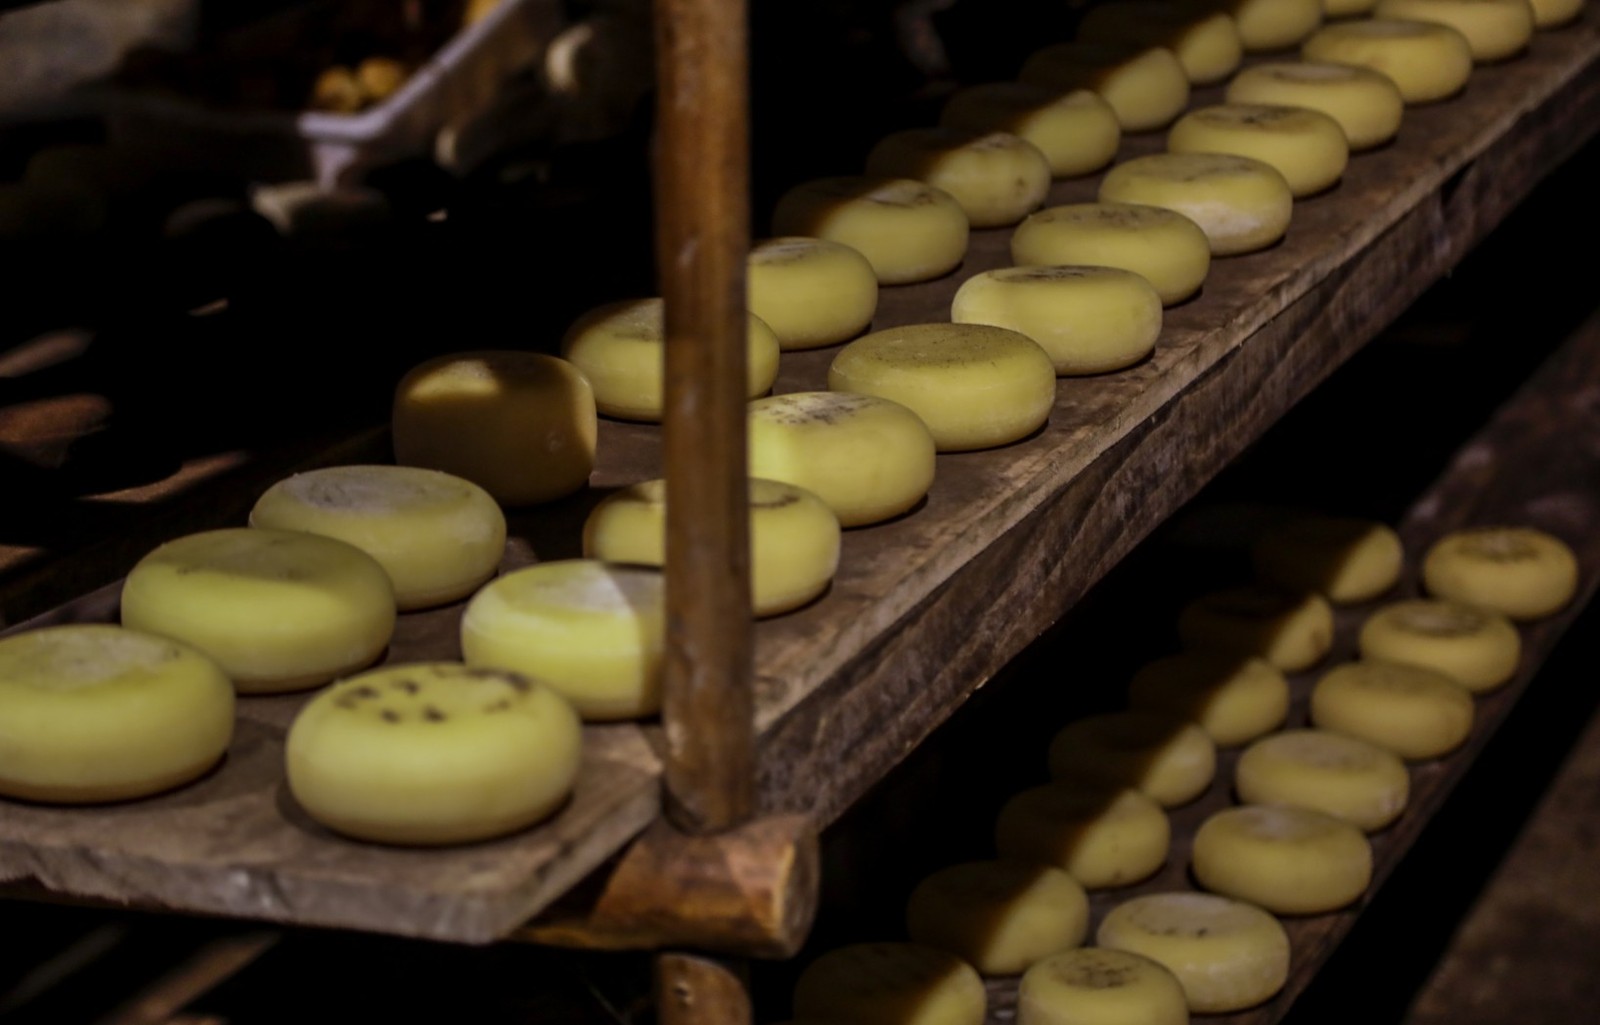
(925, 608)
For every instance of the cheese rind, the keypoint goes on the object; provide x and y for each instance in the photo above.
(998, 916)
(1426, 61)
(1555, 13)
(1096, 986)
(998, 178)
(1344, 559)
(1289, 860)
(810, 292)
(884, 983)
(1206, 43)
(1145, 85)
(1292, 630)
(1268, 25)
(1170, 760)
(1240, 203)
(1417, 713)
(1162, 246)
(1100, 836)
(1519, 571)
(1227, 954)
(1089, 320)
(1494, 29)
(1306, 146)
(1346, 777)
(1077, 131)
(1366, 103)
(1233, 698)
(1477, 647)
(908, 230)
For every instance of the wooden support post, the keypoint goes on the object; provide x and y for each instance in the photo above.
(694, 990)
(702, 241)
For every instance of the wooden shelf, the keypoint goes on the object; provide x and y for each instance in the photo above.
(925, 608)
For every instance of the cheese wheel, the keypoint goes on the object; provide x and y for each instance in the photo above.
(1145, 85)
(1206, 43)
(794, 539)
(1170, 760)
(890, 984)
(1426, 61)
(1555, 13)
(908, 230)
(1088, 320)
(520, 425)
(1366, 103)
(1519, 571)
(1344, 559)
(1345, 777)
(1267, 25)
(1095, 986)
(1162, 246)
(1494, 29)
(1241, 204)
(1292, 861)
(92, 713)
(1234, 698)
(1476, 647)
(1101, 837)
(1417, 713)
(593, 632)
(1228, 955)
(1347, 8)
(438, 536)
(278, 610)
(1306, 146)
(1077, 131)
(974, 386)
(811, 292)
(1288, 629)
(998, 178)
(621, 349)
(433, 753)
(868, 458)
(998, 916)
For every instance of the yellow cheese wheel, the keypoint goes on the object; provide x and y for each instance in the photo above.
(433, 753)
(1366, 103)
(1267, 25)
(1346, 777)
(1347, 8)
(1162, 246)
(1077, 131)
(520, 425)
(998, 916)
(621, 349)
(1476, 647)
(1095, 986)
(794, 539)
(1555, 13)
(278, 610)
(1494, 29)
(1426, 61)
(1241, 204)
(1291, 630)
(890, 984)
(593, 632)
(1289, 860)
(1234, 698)
(438, 536)
(974, 386)
(1520, 571)
(811, 292)
(1170, 760)
(1100, 836)
(1306, 146)
(908, 230)
(1089, 320)
(1227, 954)
(1344, 559)
(868, 458)
(998, 178)
(1206, 43)
(1145, 85)
(1417, 713)
(91, 713)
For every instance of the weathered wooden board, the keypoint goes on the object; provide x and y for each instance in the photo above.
(925, 608)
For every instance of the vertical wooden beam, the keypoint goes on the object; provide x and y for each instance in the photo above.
(702, 238)
(695, 990)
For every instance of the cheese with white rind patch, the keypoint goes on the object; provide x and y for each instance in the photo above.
(1494, 29)
(1519, 571)
(974, 386)
(870, 459)
(1206, 43)
(1227, 954)
(998, 178)
(1234, 698)
(433, 753)
(1417, 713)
(810, 292)
(1292, 630)
(998, 916)
(1366, 103)
(278, 610)
(1096, 986)
(1476, 647)
(1089, 320)
(908, 230)
(890, 984)
(520, 425)
(1289, 860)
(1344, 559)
(1346, 777)
(438, 536)
(621, 349)
(1162, 246)
(1306, 146)
(1426, 61)
(91, 713)
(1102, 837)
(1170, 760)
(1145, 85)
(1077, 131)
(594, 632)
(1240, 203)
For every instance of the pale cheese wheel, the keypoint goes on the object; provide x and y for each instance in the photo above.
(1206, 43)
(1494, 29)
(91, 713)
(908, 230)
(1289, 860)
(1170, 760)
(794, 539)
(1417, 713)
(1227, 954)
(1426, 61)
(1102, 837)
(1096, 986)
(998, 916)
(1162, 246)
(1089, 320)
(1268, 25)
(1346, 777)
(1342, 558)
(1519, 571)
(1234, 698)
(1241, 204)
(433, 753)
(974, 386)
(1145, 85)
(998, 178)
(438, 536)
(1292, 630)
(890, 984)
(520, 425)
(1077, 131)
(1366, 103)
(868, 458)
(1306, 146)
(810, 292)
(278, 610)
(621, 349)
(1476, 647)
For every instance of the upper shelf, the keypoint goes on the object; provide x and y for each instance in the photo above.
(924, 608)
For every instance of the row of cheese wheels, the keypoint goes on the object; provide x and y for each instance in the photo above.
(1295, 846)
